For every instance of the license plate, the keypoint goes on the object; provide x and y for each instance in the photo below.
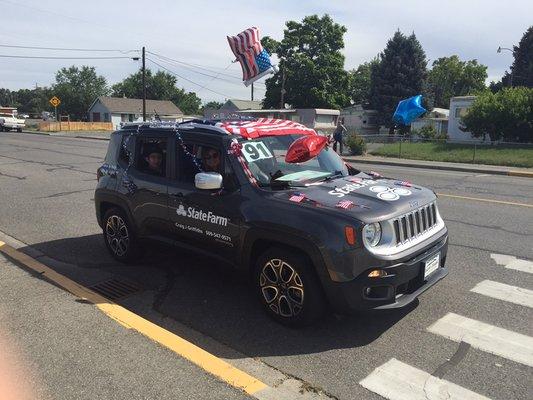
(431, 265)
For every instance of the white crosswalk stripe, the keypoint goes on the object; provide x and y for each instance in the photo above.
(486, 337)
(502, 291)
(396, 380)
(511, 262)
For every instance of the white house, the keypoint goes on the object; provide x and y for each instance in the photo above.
(437, 118)
(230, 107)
(458, 108)
(119, 109)
(362, 121)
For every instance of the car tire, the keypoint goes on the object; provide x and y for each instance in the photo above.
(19, 130)
(119, 236)
(288, 287)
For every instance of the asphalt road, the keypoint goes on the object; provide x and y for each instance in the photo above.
(47, 202)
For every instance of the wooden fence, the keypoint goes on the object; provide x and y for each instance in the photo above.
(48, 126)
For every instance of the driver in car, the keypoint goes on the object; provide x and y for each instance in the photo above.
(211, 159)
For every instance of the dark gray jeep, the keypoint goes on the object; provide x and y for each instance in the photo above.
(273, 199)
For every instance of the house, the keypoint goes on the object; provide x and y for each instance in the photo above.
(437, 118)
(232, 106)
(119, 110)
(320, 119)
(458, 108)
(362, 121)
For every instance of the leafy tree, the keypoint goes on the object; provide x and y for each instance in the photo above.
(452, 77)
(32, 101)
(399, 74)
(77, 88)
(213, 105)
(311, 64)
(522, 68)
(360, 79)
(159, 86)
(507, 115)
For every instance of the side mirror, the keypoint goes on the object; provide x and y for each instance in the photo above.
(208, 180)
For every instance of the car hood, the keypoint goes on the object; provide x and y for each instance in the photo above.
(367, 198)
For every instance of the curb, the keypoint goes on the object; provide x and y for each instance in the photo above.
(524, 174)
(66, 136)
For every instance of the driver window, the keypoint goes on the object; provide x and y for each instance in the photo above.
(194, 158)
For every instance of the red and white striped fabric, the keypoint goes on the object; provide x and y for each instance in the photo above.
(404, 183)
(346, 204)
(265, 127)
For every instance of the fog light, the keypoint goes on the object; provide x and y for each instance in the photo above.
(377, 273)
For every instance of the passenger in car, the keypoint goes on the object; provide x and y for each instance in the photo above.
(154, 158)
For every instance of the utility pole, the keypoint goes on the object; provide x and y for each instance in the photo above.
(144, 84)
(252, 91)
(282, 103)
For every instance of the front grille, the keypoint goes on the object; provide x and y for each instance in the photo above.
(416, 223)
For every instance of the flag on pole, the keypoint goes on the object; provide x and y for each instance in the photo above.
(254, 59)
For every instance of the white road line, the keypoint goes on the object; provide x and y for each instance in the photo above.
(504, 292)
(512, 262)
(485, 337)
(395, 380)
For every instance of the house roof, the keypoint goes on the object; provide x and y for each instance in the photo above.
(244, 104)
(134, 106)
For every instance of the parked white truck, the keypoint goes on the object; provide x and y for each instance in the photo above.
(9, 120)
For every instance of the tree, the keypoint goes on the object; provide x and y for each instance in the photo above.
(399, 74)
(311, 65)
(507, 115)
(522, 68)
(78, 88)
(32, 101)
(159, 86)
(360, 79)
(452, 77)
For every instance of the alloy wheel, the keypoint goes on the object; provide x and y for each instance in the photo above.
(117, 235)
(282, 288)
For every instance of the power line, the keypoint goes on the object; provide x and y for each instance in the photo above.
(172, 60)
(186, 79)
(64, 58)
(66, 49)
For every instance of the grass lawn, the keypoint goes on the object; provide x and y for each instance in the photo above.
(515, 156)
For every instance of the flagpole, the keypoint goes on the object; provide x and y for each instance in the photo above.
(252, 91)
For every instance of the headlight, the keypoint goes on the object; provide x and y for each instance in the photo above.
(372, 234)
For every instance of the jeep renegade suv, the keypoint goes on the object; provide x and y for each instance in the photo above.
(273, 199)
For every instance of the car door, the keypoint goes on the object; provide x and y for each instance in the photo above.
(208, 220)
(148, 187)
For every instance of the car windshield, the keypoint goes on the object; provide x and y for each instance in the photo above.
(265, 157)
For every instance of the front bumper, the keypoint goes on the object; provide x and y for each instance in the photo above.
(402, 285)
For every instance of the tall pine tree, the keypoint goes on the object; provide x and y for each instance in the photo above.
(522, 68)
(400, 74)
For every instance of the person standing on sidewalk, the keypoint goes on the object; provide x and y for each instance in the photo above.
(338, 134)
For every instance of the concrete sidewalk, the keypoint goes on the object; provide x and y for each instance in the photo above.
(99, 135)
(475, 168)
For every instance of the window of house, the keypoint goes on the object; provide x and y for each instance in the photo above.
(325, 119)
(106, 117)
(123, 117)
(151, 156)
(96, 117)
(460, 112)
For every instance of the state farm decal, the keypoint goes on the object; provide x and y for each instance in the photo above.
(201, 215)
(352, 187)
(388, 193)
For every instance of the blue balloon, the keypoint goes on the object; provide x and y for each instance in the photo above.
(408, 110)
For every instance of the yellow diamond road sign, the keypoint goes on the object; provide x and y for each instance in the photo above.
(55, 101)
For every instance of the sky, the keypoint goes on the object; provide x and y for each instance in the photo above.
(194, 32)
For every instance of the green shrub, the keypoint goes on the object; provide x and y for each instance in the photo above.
(427, 132)
(356, 144)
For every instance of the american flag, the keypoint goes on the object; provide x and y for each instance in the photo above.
(346, 204)
(297, 198)
(265, 127)
(247, 48)
(404, 183)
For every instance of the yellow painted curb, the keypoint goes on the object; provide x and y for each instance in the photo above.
(485, 200)
(207, 361)
(525, 174)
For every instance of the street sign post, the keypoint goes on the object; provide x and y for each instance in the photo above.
(55, 102)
